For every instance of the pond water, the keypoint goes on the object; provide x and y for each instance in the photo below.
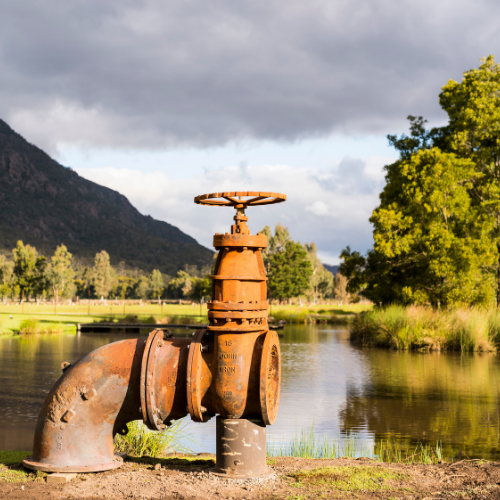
(338, 388)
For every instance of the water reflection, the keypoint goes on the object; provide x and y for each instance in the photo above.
(429, 397)
(379, 394)
(29, 366)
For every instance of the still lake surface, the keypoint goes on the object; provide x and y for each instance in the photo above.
(327, 382)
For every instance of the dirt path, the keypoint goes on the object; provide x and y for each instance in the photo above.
(292, 479)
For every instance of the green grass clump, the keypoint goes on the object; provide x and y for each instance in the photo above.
(11, 468)
(140, 441)
(13, 457)
(12, 476)
(33, 326)
(350, 478)
(308, 444)
(426, 454)
(424, 328)
(29, 326)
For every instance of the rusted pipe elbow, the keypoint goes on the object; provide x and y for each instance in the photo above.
(91, 402)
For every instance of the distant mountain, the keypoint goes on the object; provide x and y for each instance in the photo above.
(46, 204)
(333, 269)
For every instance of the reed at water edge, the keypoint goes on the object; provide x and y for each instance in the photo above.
(309, 444)
(140, 441)
(423, 328)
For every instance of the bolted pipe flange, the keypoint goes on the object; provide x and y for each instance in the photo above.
(163, 379)
(199, 377)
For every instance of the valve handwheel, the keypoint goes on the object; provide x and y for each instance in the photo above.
(240, 199)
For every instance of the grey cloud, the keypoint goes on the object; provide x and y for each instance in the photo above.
(343, 220)
(349, 176)
(156, 73)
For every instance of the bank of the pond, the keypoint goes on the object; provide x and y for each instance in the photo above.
(423, 328)
(38, 320)
(326, 314)
(291, 479)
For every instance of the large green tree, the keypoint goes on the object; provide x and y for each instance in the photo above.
(321, 280)
(28, 268)
(432, 231)
(59, 273)
(291, 267)
(290, 271)
(6, 271)
(156, 285)
(437, 229)
(181, 286)
(102, 276)
(473, 132)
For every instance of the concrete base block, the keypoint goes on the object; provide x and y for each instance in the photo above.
(61, 477)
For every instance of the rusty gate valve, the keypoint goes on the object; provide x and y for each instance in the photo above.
(230, 369)
(241, 377)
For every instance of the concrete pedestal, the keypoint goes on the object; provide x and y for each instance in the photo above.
(241, 448)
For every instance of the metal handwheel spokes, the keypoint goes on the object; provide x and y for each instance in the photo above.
(240, 199)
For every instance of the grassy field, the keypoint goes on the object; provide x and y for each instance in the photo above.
(14, 318)
(471, 329)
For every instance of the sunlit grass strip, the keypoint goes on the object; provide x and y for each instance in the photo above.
(308, 444)
(323, 314)
(140, 441)
(11, 324)
(424, 328)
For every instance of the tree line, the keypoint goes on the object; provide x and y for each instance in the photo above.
(293, 269)
(437, 228)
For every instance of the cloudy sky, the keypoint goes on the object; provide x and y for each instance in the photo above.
(165, 100)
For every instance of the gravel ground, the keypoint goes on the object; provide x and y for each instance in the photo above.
(291, 479)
